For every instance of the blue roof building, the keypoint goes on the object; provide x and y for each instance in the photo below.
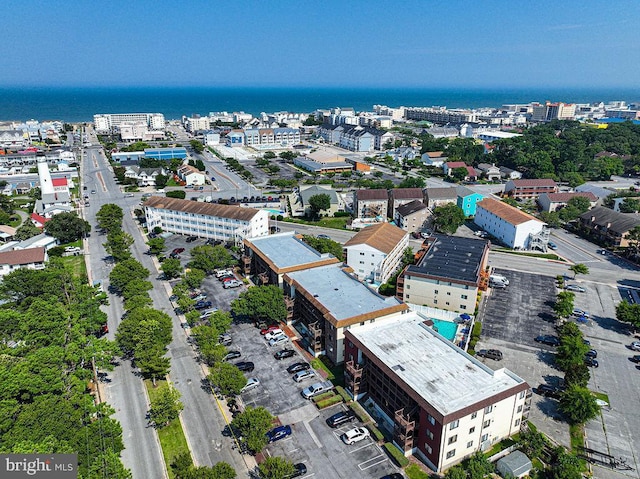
(165, 153)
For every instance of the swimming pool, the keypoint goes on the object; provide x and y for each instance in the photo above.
(447, 329)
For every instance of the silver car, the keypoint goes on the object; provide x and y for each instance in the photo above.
(252, 383)
(302, 375)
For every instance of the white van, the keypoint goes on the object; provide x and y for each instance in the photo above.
(498, 278)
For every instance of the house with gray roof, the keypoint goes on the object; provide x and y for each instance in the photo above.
(299, 200)
(411, 217)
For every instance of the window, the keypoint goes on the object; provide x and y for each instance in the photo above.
(435, 301)
(519, 409)
(485, 437)
(448, 293)
(487, 423)
(453, 439)
(429, 433)
(469, 444)
(488, 409)
(462, 306)
(451, 453)
(472, 430)
(454, 424)
(463, 296)
(447, 303)
(435, 291)
(521, 396)
(428, 448)
(517, 423)
(474, 415)
(431, 419)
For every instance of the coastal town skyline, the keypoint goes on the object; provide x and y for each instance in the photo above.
(423, 44)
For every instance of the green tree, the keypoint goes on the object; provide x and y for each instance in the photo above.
(253, 425)
(209, 258)
(27, 230)
(319, 203)
(108, 465)
(165, 407)
(630, 205)
(478, 466)
(324, 245)
(118, 244)
(571, 352)
(142, 329)
(288, 155)
(566, 466)
(261, 302)
(628, 313)
(275, 467)
(156, 245)
(412, 182)
(109, 217)
(448, 218)
(194, 277)
(180, 194)
(269, 155)
(125, 271)
(456, 472)
(577, 375)
(552, 218)
(578, 405)
(197, 146)
(67, 227)
(563, 307)
(579, 268)
(161, 181)
(171, 267)
(228, 378)
(459, 174)
(532, 442)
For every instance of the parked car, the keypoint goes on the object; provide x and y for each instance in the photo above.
(72, 249)
(225, 339)
(278, 340)
(245, 366)
(635, 346)
(393, 475)
(341, 418)
(589, 361)
(635, 359)
(252, 383)
(548, 391)
(200, 297)
(174, 255)
(278, 433)
(580, 312)
(191, 239)
(575, 288)
(226, 277)
(548, 340)
(223, 272)
(269, 329)
(276, 332)
(232, 355)
(208, 313)
(203, 304)
(178, 250)
(284, 353)
(321, 236)
(299, 469)
(295, 367)
(231, 284)
(494, 354)
(592, 353)
(302, 375)
(354, 435)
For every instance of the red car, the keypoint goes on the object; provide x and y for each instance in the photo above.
(178, 250)
(269, 329)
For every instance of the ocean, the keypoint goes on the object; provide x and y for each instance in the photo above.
(80, 104)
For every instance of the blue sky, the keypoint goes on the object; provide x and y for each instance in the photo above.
(562, 43)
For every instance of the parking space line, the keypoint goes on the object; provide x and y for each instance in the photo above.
(360, 466)
(366, 445)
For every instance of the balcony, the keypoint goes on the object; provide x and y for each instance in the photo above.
(403, 429)
(246, 264)
(353, 377)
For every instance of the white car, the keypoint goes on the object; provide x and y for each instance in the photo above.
(272, 334)
(222, 272)
(252, 383)
(279, 340)
(580, 312)
(71, 249)
(575, 288)
(207, 313)
(635, 346)
(231, 284)
(302, 375)
(354, 435)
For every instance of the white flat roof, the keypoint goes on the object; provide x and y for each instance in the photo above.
(285, 250)
(344, 296)
(445, 376)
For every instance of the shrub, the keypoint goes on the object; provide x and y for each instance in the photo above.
(345, 395)
(377, 433)
(395, 453)
(323, 396)
(360, 413)
(341, 214)
(329, 401)
(56, 251)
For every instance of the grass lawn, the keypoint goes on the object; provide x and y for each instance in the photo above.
(335, 223)
(172, 182)
(601, 396)
(413, 471)
(172, 439)
(77, 264)
(534, 255)
(577, 442)
(334, 373)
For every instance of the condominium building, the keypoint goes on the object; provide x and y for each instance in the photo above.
(553, 111)
(110, 122)
(448, 274)
(205, 220)
(529, 189)
(440, 115)
(327, 301)
(375, 252)
(283, 137)
(440, 404)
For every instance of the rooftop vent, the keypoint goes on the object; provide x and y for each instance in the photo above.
(398, 367)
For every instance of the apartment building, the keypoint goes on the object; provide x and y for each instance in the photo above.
(281, 137)
(411, 216)
(529, 189)
(511, 226)
(355, 138)
(553, 111)
(375, 252)
(402, 196)
(608, 226)
(205, 220)
(370, 203)
(110, 122)
(556, 201)
(440, 115)
(327, 301)
(448, 274)
(441, 404)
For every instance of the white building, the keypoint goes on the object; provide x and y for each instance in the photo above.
(205, 220)
(191, 175)
(32, 258)
(511, 226)
(375, 252)
(196, 123)
(110, 122)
